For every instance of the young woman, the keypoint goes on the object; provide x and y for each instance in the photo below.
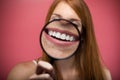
(85, 64)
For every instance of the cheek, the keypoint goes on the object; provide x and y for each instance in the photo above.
(80, 29)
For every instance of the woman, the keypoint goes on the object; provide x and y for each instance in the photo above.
(83, 65)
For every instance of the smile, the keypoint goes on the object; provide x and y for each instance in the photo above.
(62, 35)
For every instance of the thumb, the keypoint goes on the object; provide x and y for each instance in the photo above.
(45, 67)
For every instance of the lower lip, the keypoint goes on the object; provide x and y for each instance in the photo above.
(58, 42)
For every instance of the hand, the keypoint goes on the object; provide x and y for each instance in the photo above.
(44, 71)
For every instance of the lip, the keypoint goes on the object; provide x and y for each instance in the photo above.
(60, 42)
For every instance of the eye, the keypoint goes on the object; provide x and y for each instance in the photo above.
(54, 17)
(74, 22)
(78, 23)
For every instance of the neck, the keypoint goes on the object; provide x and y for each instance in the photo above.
(65, 64)
(67, 69)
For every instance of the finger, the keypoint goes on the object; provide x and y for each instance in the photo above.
(45, 67)
(41, 77)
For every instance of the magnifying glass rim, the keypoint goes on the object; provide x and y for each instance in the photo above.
(44, 29)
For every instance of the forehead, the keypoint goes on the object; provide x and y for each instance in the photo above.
(65, 11)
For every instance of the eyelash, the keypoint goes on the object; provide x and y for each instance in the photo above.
(52, 18)
(56, 17)
(76, 23)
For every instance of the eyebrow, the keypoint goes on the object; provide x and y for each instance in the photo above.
(58, 15)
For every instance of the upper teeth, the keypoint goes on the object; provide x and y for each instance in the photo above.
(61, 36)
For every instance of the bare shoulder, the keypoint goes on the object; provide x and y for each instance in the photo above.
(22, 71)
(107, 74)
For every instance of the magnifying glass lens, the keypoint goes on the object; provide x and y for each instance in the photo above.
(60, 39)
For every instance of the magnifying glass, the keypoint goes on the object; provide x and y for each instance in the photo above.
(60, 39)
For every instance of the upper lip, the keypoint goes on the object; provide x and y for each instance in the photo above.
(62, 34)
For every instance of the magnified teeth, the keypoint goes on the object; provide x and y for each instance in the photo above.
(71, 38)
(54, 33)
(58, 35)
(61, 36)
(50, 33)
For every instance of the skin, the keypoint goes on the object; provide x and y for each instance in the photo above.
(27, 70)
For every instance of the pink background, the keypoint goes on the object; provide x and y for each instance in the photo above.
(22, 20)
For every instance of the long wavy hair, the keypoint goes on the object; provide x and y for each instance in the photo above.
(87, 59)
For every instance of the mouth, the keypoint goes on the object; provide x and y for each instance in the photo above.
(62, 35)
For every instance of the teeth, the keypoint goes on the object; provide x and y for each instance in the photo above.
(54, 33)
(71, 38)
(58, 35)
(50, 33)
(67, 37)
(61, 36)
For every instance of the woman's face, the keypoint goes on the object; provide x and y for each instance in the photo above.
(61, 41)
